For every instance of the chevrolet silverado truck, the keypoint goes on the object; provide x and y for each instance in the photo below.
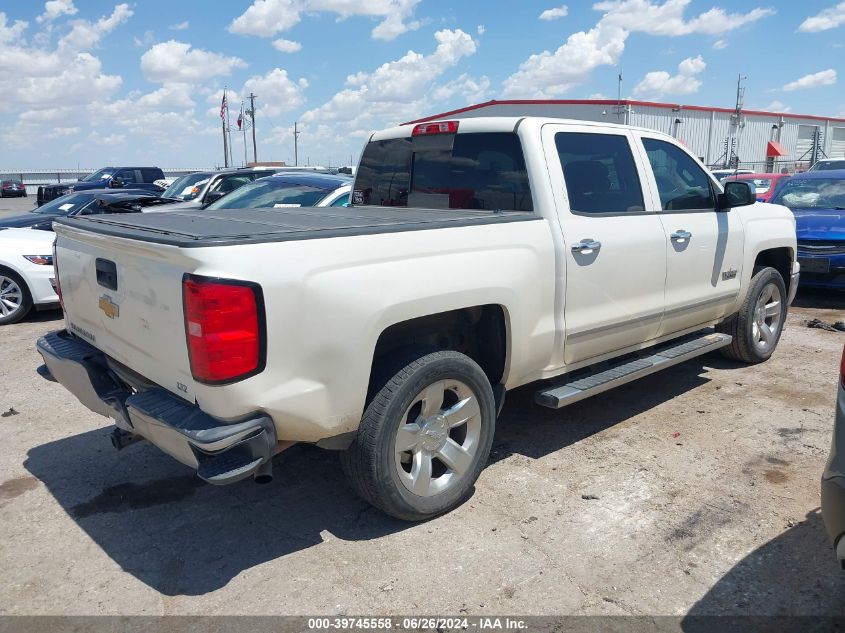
(478, 256)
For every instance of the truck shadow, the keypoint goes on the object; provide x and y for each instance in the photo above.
(181, 536)
(781, 578)
(527, 429)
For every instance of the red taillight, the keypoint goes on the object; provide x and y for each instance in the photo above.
(438, 127)
(224, 325)
(56, 273)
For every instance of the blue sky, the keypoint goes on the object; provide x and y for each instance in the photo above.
(96, 82)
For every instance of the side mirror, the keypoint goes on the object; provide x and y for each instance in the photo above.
(213, 196)
(116, 183)
(737, 194)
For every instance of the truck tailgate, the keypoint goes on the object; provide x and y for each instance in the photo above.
(125, 298)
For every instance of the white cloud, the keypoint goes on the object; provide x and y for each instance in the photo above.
(720, 45)
(548, 74)
(777, 106)
(597, 96)
(85, 35)
(174, 61)
(286, 46)
(469, 89)
(828, 19)
(658, 83)
(266, 18)
(10, 33)
(814, 80)
(645, 16)
(480, 29)
(277, 92)
(396, 91)
(145, 41)
(181, 26)
(56, 8)
(556, 13)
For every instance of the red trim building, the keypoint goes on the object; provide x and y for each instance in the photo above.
(755, 138)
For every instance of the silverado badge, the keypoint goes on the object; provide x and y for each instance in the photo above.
(109, 307)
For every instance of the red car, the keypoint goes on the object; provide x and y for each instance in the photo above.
(12, 188)
(764, 184)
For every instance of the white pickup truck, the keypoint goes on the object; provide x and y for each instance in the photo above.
(478, 255)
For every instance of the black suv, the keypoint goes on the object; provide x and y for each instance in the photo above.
(106, 178)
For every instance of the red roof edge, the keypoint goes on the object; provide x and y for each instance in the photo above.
(614, 102)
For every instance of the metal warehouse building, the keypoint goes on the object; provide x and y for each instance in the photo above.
(720, 137)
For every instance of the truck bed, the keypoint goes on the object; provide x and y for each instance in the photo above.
(193, 229)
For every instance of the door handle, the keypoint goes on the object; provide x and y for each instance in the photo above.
(586, 246)
(681, 236)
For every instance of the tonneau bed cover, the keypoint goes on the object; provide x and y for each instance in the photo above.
(199, 228)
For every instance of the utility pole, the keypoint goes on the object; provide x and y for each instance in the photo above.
(252, 99)
(295, 145)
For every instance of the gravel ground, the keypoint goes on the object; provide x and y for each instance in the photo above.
(701, 488)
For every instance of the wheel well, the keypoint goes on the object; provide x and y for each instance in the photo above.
(780, 259)
(479, 332)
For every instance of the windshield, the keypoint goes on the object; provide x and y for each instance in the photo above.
(103, 174)
(269, 193)
(186, 187)
(827, 165)
(67, 204)
(816, 193)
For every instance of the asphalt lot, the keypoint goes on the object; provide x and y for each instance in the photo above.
(705, 478)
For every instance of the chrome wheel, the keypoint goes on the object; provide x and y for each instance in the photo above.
(768, 314)
(11, 297)
(438, 438)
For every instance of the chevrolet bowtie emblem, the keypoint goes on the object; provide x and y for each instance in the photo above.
(109, 307)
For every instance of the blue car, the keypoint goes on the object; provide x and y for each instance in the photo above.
(818, 201)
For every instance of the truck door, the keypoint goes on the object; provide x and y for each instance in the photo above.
(614, 246)
(704, 246)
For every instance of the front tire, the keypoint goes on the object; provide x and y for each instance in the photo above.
(15, 299)
(757, 327)
(424, 437)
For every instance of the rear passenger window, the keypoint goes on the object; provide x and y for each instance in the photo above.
(600, 173)
(461, 171)
(151, 175)
(681, 182)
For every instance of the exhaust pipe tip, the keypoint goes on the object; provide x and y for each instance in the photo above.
(264, 474)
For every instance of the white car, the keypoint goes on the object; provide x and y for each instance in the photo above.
(27, 279)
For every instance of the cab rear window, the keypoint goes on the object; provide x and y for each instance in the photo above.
(455, 171)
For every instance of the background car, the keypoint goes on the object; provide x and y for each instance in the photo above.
(12, 188)
(817, 198)
(106, 178)
(201, 188)
(85, 203)
(27, 279)
(721, 174)
(764, 185)
(827, 164)
(299, 189)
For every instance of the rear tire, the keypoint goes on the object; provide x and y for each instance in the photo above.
(757, 327)
(15, 298)
(424, 438)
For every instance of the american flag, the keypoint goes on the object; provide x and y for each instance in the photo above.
(224, 106)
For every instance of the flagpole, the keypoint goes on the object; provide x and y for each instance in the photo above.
(225, 143)
(229, 131)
